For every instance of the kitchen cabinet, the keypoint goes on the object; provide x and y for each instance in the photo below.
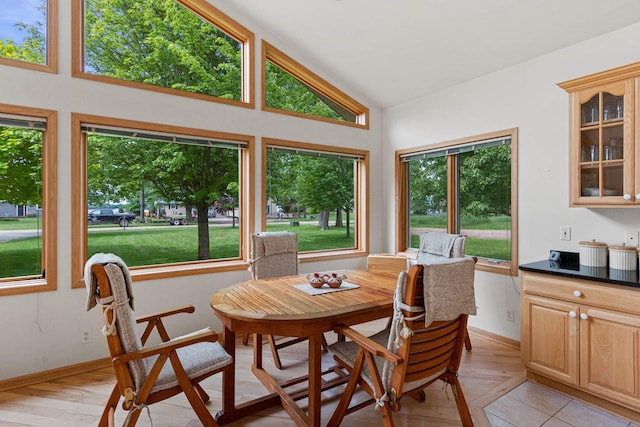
(604, 150)
(583, 334)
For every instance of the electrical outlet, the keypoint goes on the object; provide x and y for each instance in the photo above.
(631, 238)
(565, 233)
(510, 315)
(85, 336)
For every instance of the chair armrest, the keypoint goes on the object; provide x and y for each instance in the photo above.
(155, 321)
(167, 347)
(368, 345)
(161, 314)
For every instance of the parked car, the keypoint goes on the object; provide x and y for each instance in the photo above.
(111, 216)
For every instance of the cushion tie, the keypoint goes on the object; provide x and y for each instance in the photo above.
(109, 328)
(402, 330)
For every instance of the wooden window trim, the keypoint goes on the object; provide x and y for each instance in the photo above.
(15, 286)
(51, 65)
(402, 208)
(79, 200)
(308, 77)
(361, 204)
(200, 8)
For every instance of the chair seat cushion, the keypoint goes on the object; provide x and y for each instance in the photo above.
(197, 359)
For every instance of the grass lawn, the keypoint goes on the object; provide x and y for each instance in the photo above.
(144, 246)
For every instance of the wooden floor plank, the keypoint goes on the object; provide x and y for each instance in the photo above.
(488, 371)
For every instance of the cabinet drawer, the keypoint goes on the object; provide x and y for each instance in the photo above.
(595, 294)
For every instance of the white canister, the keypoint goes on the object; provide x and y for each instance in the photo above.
(593, 254)
(623, 257)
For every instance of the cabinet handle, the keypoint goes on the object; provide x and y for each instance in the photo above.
(584, 316)
(577, 293)
(627, 196)
(638, 196)
(572, 314)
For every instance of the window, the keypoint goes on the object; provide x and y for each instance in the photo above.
(182, 47)
(291, 88)
(27, 200)
(167, 200)
(467, 186)
(318, 192)
(29, 34)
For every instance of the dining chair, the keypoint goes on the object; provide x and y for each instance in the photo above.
(436, 246)
(274, 254)
(423, 345)
(386, 262)
(149, 374)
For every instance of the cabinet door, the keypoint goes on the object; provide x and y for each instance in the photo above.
(550, 338)
(602, 149)
(610, 355)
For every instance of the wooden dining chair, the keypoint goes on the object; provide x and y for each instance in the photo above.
(146, 375)
(415, 351)
(436, 246)
(274, 254)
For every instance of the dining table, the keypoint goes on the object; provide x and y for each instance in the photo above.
(289, 306)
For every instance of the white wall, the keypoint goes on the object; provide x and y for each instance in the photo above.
(523, 96)
(42, 331)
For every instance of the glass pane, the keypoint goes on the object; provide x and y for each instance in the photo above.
(163, 44)
(427, 197)
(23, 30)
(155, 202)
(612, 107)
(21, 196)
(285, 92)
(313, 197)
(590, 112)
(485, 202)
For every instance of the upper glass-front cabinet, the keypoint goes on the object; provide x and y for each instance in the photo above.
(603, 152)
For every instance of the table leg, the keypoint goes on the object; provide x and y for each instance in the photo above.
(315, 379)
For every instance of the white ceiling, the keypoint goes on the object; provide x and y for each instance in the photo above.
(396, 50)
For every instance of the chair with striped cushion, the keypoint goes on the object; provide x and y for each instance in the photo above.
(423, 344)
(146, 375)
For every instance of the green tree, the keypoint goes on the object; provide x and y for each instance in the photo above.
(33, 47)
(20, 166)
(159, 42)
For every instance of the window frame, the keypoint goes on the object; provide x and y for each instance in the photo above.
(202, 9)
(361, 202)
(402, 200)
(151, 272)
(309, 78)
(51, 65)
(48, 281)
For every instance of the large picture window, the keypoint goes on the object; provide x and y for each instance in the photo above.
(468, 187)
(318, 192)
(290, 88)
(161, 197)
(27, 200)
(183, 47)
(28, 34)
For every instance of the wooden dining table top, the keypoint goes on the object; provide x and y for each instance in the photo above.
(275, 306)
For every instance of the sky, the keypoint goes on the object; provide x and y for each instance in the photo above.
(14, 11)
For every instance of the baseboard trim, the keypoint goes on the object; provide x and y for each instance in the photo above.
(495, 337)
(53, 374)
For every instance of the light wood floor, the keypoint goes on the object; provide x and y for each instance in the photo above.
(491, 369)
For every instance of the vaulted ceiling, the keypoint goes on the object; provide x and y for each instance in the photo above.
(396, 50)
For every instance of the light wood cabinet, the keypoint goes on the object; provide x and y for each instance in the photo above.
(604, 150)
(583, 334)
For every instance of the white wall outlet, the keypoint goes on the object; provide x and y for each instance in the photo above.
(631, 238)
(565, 233)
(85, 336)
(511, 315)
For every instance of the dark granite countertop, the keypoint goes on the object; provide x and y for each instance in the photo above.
(569, 266)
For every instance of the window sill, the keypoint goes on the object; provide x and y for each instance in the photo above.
(330, 255)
